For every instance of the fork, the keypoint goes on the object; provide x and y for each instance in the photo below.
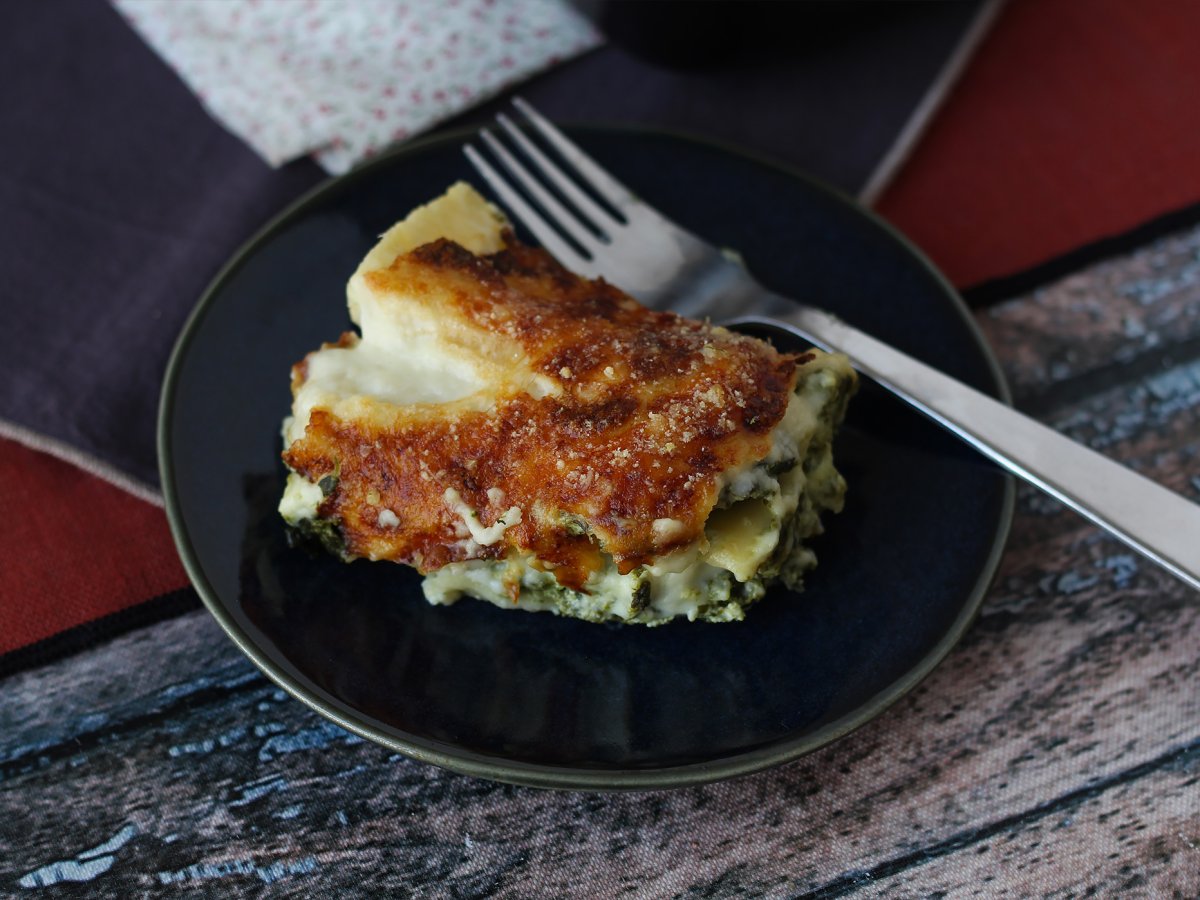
(667, 267)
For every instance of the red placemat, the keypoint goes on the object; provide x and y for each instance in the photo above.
(1074, 122)
(76, 548)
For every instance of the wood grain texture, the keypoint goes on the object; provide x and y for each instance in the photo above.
(1055, 753)
(1140, 308)
(1136, 839)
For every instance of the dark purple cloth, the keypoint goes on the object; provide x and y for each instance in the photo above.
(120, 197)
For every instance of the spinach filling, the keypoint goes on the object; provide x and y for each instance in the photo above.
(318, 534)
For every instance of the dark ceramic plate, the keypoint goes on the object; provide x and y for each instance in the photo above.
(541, 700)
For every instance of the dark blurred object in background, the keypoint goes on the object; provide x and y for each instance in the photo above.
(696, 34)
(825, 87)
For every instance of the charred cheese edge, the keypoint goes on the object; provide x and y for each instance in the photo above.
(528, 437)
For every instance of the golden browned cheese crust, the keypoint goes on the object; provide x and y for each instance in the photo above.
(643, 411)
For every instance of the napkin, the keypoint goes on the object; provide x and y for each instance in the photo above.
(342, 79)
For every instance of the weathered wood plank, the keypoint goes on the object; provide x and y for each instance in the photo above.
(1155, 424)
(95, 689)
(1109, 314)
(1137, 839)
(291, 788)
(162, 763)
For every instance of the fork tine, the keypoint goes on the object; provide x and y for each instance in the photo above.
(604, 184)
(566, 219)
(591, 210)
(549, 238)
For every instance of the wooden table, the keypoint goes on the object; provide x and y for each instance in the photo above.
(1056, 752)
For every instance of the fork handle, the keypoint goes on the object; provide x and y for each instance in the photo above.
(1156, 522)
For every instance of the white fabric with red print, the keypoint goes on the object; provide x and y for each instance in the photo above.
(342, 79)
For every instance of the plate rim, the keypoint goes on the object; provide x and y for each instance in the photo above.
(539, 775)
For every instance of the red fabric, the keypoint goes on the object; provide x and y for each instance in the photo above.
(1075, 121)
(75, 548)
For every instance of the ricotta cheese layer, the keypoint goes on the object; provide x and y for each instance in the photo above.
(528, 437)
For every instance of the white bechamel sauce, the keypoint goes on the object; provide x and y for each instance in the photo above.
(666, 529)
(398, 372)
(483, 536)
(300, 499)
(673, 593)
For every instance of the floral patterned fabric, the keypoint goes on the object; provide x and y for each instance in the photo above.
(341, 79)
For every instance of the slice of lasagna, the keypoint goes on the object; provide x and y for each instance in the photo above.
(528, 437)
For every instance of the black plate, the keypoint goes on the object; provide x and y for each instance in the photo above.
(541, 700)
